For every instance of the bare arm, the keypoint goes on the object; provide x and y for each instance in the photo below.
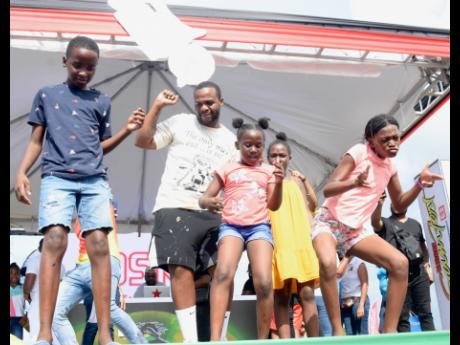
(210, 198)
(22, 187)
(339, 182)
(343, 265)
(275, 190)
(310, 194)
(122, 298)
(28, 285)
(147, 131)
(364, 279)
(376, 217)
(401, 200)
(135, 121)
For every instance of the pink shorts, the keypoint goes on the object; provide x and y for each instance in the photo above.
(345, 237)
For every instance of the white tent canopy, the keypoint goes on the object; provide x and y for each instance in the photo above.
(321, 104)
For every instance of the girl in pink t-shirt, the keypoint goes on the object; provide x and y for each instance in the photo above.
(352, 194)
(250, 188)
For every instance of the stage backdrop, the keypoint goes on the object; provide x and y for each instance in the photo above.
(435, 210)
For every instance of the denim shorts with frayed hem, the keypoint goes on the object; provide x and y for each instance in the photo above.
(90, 197)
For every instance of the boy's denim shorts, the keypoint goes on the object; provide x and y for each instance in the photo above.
(248, 233)
(59, 199)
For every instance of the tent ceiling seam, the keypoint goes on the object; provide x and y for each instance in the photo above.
(118, 75)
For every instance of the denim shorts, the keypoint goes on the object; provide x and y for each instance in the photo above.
(90, 197)
(247, 233)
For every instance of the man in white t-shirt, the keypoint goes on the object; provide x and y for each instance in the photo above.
(197, 145)
(32, 292)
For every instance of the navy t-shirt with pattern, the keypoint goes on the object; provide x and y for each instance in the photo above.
(76, 122)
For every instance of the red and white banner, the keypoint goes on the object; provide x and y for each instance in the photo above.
(134, 258)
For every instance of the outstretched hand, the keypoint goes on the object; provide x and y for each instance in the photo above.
(166, 97)
(22, 189)
(135, 120)
(427, 178)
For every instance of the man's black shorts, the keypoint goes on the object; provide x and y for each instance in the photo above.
(184, 237)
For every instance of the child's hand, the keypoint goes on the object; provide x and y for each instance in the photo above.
(360, 312)
(278, 172)
(215, 204)
(361, 179)
(22, 189)
(166, 97)
(382, 198)
(135, 120)
(298, 174)
(427, 178)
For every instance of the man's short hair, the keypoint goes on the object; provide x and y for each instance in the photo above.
(208, 83)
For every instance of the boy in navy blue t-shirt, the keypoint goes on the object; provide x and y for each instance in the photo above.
(71, 129)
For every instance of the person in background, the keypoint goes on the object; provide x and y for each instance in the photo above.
(382, 276)
(248, 287)
(325, 328)
(295, 320)
(354, 300)
(78, 284)
(202, 287)
(150, 276)
(90, 331)
(16, 302)
(31, 291)
(406, 234)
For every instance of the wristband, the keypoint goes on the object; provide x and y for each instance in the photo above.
(419, 184)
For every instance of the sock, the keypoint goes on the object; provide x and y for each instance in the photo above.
(223, 335)
(187, 323)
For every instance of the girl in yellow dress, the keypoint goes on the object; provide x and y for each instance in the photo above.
(295, 265)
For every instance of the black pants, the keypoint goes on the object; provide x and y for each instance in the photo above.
(417, 300)
(202, 314)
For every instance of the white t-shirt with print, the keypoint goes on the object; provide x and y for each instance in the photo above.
(194, 152)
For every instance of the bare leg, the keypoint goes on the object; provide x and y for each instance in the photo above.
(53, 249)
(325, 247)
(97, 247)
(281, 298)
(260, 253)
(309, 311)
(182, 286)
(228, 256)
(377, 251)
